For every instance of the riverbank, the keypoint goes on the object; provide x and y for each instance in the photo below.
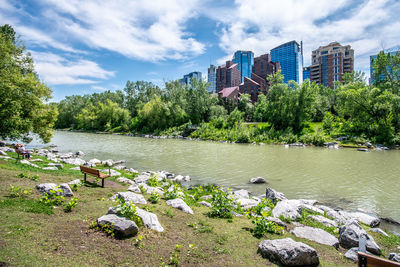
(66, 238)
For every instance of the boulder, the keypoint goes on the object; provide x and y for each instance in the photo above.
(290, 209)
(288, 252)
(108, 162)
(24, 161)
(134, 188)
(246, 203)
(76, 168)
(79, 154)
(132, 170)
(122, 227)
(367, 219)
(205, 203)
(50, 168)
(312, 208)
(37, 160)
(325, 221)
(273, 195)
(350, 233)
(120, 167)
(379, 231)
(46, 187)
(111, 172)
(151, 190)
(207, 197)
(74, 161)
(179, 204)
(316, 234)
(394, 257)
(150, 220)
(258, 180)
(67, 192)
(352, 254)
(58, 165)
(141, 179)
(93, 162)
(130, 196)
(276, 220)
(241, 193)
(181, 178)
(66, 155)
(3, 153)
(125, 181)
(76, 181)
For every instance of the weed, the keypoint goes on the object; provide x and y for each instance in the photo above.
(106, 228)
(70, 205)
(128, 210)
(285, 219)
(174, 193)
(174, 259)
(222, 204)
(221, 239)
(16, 191)
(263, 226)
(154, 198)
(219, 250)
(169, 213)
(153, 181)
(138, 241)
(264, 208)
(201, 227)
(75, 187)
(142, 189)
(28, 176)
(54, 197)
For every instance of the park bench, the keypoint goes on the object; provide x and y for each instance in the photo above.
(366, 260)
(95, 173)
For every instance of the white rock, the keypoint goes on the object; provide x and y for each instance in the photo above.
(125, 180)
(130, 196)
(50, 168)
(178, 203)
(150, 220)
(316, 235)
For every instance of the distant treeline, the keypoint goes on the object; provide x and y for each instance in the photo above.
(353, 108)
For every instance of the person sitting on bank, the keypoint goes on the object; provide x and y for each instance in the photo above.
(25, 153)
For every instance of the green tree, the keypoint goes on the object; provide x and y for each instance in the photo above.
(138, 93)
(386, 75)
(260, 109)
(246, 107)
(155, 115)
(23, 97)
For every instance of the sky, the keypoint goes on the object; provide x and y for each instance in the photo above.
(83, 47)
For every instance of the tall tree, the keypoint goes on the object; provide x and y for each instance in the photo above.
(23, 97)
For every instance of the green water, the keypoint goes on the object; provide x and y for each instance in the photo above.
(345, 178)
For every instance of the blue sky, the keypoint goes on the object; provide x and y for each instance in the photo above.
(81, 47)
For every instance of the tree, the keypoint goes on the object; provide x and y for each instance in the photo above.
(386, 75)
(23, 96)
(138, 93)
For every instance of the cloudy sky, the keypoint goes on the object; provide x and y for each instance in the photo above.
(82, 47)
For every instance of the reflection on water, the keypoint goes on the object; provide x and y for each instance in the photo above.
(345, 177)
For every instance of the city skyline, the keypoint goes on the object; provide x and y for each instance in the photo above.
(81, 48)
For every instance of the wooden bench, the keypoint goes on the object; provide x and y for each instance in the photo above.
(95, 173)
(366, 260)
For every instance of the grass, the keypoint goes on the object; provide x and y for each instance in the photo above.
(33, 234)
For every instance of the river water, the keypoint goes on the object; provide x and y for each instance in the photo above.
(343, 178)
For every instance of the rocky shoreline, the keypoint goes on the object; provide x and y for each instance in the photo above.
(285, 213)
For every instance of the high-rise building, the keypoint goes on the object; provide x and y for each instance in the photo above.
(228, 75)
(290, 57)
(212, 76)
(245, 61)
(186, 78)
(329, 63)
(306, 73)
(371, 65)
(257, 83)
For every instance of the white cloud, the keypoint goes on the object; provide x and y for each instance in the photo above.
(54, 69)
(145, 30)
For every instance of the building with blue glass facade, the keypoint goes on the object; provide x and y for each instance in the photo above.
(186, 78)
(290, 57)
(212, 78)
(371, 65)
(245, 61)
(306, 73)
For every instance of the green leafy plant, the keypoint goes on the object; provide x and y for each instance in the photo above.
(169, 213)
(222, 204)
(174, 259)
(54, 197)
(285, 219)
(75, 187)
(70, 205)
(142, 189)
(263, 208)
(263, 226)
(138, 241)
(154, 198)
(174, 193)
(128, 210)
(28, 176)
(153, 181)
(16, 191)
(106, 228)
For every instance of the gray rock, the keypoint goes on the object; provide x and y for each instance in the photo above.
(37, 160)
(132, 170)
(273, 195)
(179, 204)
(141, 179)
(120, 167)
(111, 172)
(67, 192)
(80, 154)
(350, 233)
(258, 180)
(379, 231)
(130, 196)
(76, 181)
(108, 162)
(150, 220)
(206, 197)
(352, 254)
(24, 161)
(290, 209)
(367, 219)
(325, 221)
(5, 157)
(205, 203)
(46, 187)
(50, 168)
(246, 203)
(125, 181)
(3, 153)
(312, 208)
(276, 220)
(58, 165)
(134, 188)
(394, 257)
(338, 216)
(241, 193)
(66, 155)
(76, 168)
(74, 161)
(288, 252)
(181, 178)
(316, 235)
(93, 162)
(151, 190)
(311, 202)
(122, 227)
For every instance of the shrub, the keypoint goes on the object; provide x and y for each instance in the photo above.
(153, 181)
(262, 226)
(175, 193)
(70, 205)
(106, 228)
(128, 210)
(16, 191)
(261, 209)
(154, 198)
(222, 204)
(54, 197)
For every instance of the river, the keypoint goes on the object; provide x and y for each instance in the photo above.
(344, 178)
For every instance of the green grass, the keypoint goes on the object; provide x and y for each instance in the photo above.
(26, 204)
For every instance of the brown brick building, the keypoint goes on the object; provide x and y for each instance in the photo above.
(228, 75)
(329, 63)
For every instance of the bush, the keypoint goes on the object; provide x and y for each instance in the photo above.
(153, 181)
(54, 198)
(128, 210)
(222, 204)
(175, 193)
(70, 205)
(261, 209)
(154, 198)
(262, 226)
(16, 191)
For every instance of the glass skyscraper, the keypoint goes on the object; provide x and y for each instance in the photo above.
(212, 78)
(306, 73)
(245, 61)
(290, 57)
(186, 78)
